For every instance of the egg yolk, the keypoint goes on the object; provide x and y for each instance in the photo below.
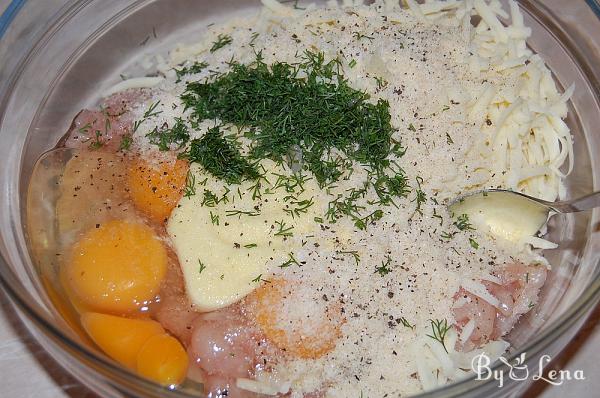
(116, 268)
(120, 338)
(157, 188)
(269, 302)
(163, 359)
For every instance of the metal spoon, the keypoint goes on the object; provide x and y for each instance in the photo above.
(513, 215)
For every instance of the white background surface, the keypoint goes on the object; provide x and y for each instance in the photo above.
(27, 371)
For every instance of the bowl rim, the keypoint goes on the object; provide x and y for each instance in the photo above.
(130, 380)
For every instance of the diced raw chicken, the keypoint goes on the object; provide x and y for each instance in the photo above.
(481, 312)
(517, 293)
(223, 344)
(218, 386)
(225, 348)
(174, 310)
(103, 130)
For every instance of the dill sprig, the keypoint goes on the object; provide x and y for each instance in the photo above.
(462, 223)
(283, 230)
(240, 213)
(196, 67)
(150, 112)
(420, 197)
(126, 142)
(220, 157)
(201, 265)
(222, 41)
(384, 268)
(166, 137)
(214, 219)
(406, 323)
(354, 254)
(290, 261)
(190, 185)
(439, 330)
(97, 142)
(473, 243)
(296, 207)
(209, 199)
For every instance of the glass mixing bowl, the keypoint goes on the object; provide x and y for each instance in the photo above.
(56, 56)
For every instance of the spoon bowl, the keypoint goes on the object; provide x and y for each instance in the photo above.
(513, 215)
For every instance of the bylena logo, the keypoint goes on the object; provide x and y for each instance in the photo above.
(519, 370)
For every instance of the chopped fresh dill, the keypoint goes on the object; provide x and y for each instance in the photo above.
(411, 127)
(250, 245)
(359, 36)
(151, 111)
(196, 67)
(381, 82)
(202, 266)
(384, 268)
(214, 218)
(85, 129)
(97, 142)
(462, 223)
(253, 38)
(166, 137)
(316, 113)
(449, 139)
(352, 63)
(220, 157)
(439, 330)
(209, 199)
(222, 41)
(298, 207)
(531, 305)
(291, 261)
(354, 254)
(308, 108)
(447, 235)
(362, 223)
(126, 142)
(283, 229)
(420, 197)
(259, 279)
(319, 220)
(473, 243)
(406, 323)
(240, 213)
(190, 185)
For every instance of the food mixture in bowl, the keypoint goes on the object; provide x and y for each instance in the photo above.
(267, 213)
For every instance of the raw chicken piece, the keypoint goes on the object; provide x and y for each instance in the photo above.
(222, 344)
(481, 312)
(517, 293)
(103, 130)
(217, 386)
(174, 311)
(225, 348)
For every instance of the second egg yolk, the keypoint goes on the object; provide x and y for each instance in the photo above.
(156, 188)
(116, 268)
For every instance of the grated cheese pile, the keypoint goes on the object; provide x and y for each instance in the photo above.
(475, 109)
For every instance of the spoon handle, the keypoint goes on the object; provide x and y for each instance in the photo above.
(586, 202)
